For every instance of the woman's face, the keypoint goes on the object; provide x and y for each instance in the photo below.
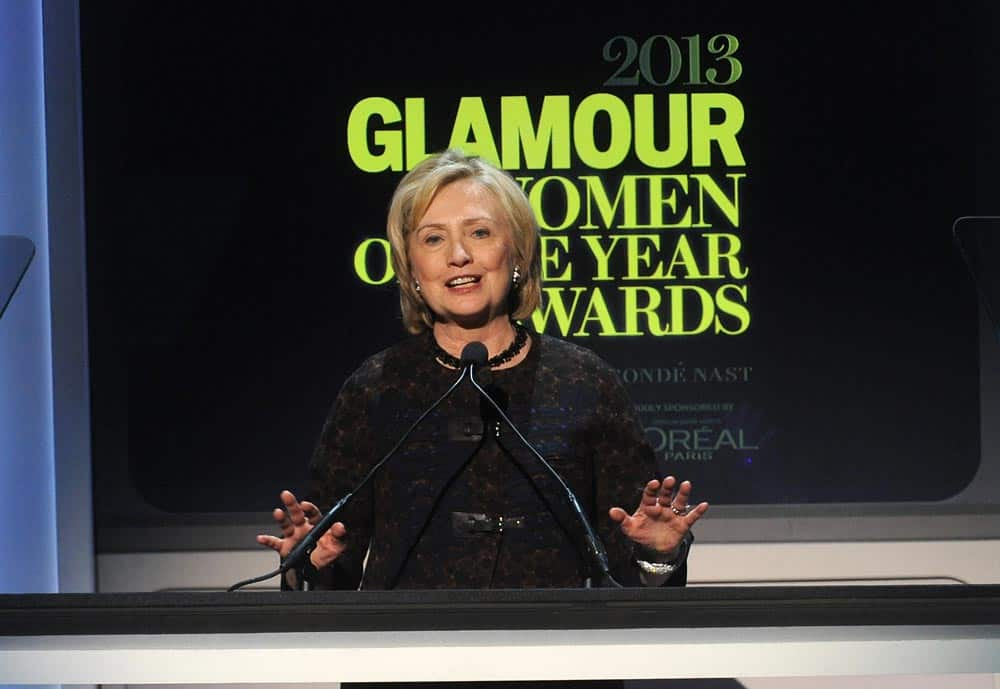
(461, 255)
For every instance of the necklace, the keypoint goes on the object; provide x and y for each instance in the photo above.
(520, 337)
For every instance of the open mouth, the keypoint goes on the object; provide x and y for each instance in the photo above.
(462, 281)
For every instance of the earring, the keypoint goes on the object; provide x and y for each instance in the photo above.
(416, 285)
(516, 275)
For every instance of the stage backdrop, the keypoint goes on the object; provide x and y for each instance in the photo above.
(747, 214)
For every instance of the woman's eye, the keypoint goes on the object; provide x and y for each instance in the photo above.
(432, 239)
(481, 232)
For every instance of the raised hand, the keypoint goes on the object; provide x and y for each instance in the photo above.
(663, 516)
(297, 519)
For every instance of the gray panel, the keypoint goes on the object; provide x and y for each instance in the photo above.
(70, 383)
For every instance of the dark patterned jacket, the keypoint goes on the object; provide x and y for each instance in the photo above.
(463, 504)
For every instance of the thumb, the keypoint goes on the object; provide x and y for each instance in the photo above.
(617, 514)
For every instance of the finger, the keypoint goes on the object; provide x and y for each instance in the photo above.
(696, 513)
(650, 493)
(666, 490)
(311, 512)
(284, 522)
(269, 541)
(683, 492)
(338, 531)
(617, 514)
(648, 501)
(683, 498)
(330, 546)
(293, 507)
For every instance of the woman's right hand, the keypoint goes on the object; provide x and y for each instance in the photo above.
(296, 520)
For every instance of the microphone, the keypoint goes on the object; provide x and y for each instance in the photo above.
(595, 548)
(473, 354)
(476, 353)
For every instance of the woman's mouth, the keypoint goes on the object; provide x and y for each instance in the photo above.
(462, 281)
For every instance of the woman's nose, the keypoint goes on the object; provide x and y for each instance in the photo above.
(459, 255)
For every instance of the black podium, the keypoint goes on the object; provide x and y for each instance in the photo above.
(291, 637)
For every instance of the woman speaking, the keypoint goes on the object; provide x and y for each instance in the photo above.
(464, 503)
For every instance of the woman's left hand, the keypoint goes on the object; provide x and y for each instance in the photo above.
(662, 518)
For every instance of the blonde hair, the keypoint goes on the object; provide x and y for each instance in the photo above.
(412, 198)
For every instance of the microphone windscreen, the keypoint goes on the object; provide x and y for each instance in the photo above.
(474, 353)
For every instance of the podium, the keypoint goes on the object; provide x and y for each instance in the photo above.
(271, 637)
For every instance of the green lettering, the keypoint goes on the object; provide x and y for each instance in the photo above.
(593, 241)
(554, 306)
(677, 131)
(361, 261)
(391, 154)
(640, 256)
(704, 131)
(735, 307)
(657, 201)
(598, 195)
(633, 310)
(517, 130)
(678, 311)
(620, 131)
(571, 202)
(471, 132)
(729, 205)
(552, 258)
(684, 258)
(730, 254)
(416, 142)
(597, 312)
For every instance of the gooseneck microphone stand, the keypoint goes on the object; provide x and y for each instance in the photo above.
(474, 355)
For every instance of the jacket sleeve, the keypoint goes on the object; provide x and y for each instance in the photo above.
(343, 455)
(623, 463)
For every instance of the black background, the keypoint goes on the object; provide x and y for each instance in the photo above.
(223, 211)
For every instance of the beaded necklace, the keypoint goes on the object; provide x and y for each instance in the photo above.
(520, 338)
